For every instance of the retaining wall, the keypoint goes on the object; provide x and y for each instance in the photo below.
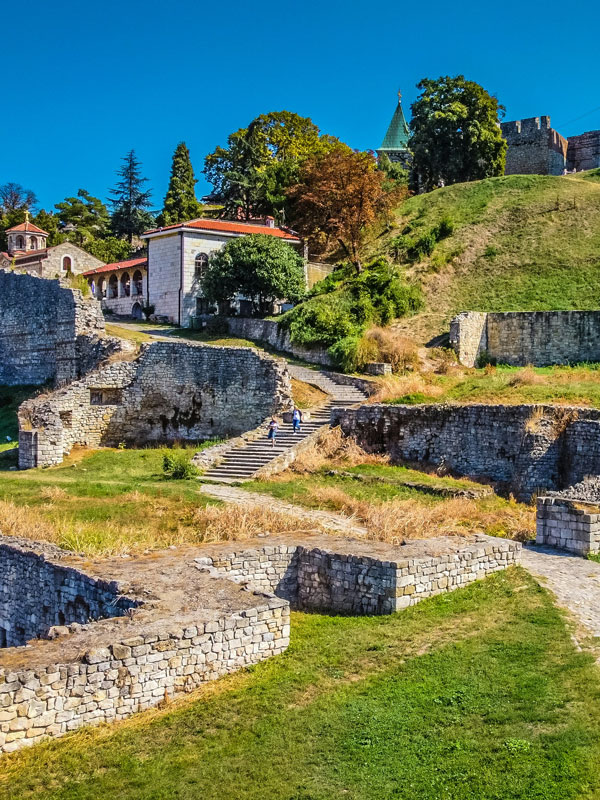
(48, 332)
(275, 335)
(173, 391)
(518, 338)
(568, 524)
(527, 448)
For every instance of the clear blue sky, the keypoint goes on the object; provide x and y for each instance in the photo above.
(85, 82)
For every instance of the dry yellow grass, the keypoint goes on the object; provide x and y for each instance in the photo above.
(306, 395)
(334, 449)
(392, 347)
(395, 520)
(391, 387)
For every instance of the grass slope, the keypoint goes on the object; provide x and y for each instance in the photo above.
(520, 242)
(476, 694)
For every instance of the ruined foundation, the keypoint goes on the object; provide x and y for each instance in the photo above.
(172, 392)
(182, 619)
(568, 524)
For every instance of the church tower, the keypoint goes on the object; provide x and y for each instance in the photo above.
(395, 143)
(26, 237)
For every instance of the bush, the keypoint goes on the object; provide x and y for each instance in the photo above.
(177, 465)
(147, 311)
(393, 348)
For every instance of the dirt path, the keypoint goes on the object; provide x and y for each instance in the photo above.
(334, 522)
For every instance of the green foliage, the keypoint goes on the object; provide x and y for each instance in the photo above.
(79, 282)
(148, 310)
(251, 175)
(263, 268)
(180, 201)
(177, 465)
(109, 249)
(88, 215)
(455, 133)
(130, 201)
(340, 307)
(49, 221)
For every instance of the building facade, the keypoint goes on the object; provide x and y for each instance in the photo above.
(121, 287)
(178, 256)
(28, 252)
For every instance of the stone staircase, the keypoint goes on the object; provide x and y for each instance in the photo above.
(241, 463)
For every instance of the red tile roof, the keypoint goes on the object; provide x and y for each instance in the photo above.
(227, 226)
(128, 264)
(27, 227)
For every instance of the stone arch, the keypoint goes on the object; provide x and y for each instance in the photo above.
(20, 243)
(32, 243)
(136, 311)
(113, 287)
(138, 283)
(125, 285)
(101, 288)
(67, 264)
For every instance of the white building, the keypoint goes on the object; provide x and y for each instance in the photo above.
(121, 287)
(178, 256)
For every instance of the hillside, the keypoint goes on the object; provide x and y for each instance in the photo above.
(520, 242)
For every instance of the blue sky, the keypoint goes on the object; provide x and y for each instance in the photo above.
(86, 82)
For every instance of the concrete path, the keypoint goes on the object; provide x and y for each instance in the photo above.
(327, 519)
(574, 581)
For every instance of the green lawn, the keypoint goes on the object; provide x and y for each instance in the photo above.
(476, 694)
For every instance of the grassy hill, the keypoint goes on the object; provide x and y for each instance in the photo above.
(520, 242)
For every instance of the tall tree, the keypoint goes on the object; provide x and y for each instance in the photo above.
(251, 175)
(456, 134)
(180, 201)
(13, 197)
(88, 215)
(339, 195)
(129, 200)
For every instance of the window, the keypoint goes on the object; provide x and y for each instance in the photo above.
(105, 397)
(32, 243)
(202, 306)
(20, 243)
(67, 263)
(200, 265)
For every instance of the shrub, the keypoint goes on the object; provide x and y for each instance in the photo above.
(393, 348)
(177, 465)
(444, 228)
(147, 311)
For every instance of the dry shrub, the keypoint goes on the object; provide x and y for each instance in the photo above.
(562, 418)
(394, 386)
(26, 522)
(535, 418)
(526, 377)
(53, 493)
(392, 347)
(332, 448)
(395, 520)
(236, 523)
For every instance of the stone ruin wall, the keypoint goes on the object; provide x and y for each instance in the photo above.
(518, 338)
(527, 448)
(534, 147)
(172, 392)
(48, 332)
(278, 337)
(568, 525)
(110, 669)
(584, 151)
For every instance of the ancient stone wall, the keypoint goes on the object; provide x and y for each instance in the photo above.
(275, 335)
(584, 151)
(527, 448)
(172, 391)
(534, 147)
(568, 524)
(518, 338)
(36, 594)
(48, 332)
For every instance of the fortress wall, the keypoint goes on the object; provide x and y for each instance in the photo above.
(534, 147)
(527, 448)
(173, 391)
(518, 338)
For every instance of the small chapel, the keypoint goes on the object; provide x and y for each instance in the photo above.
(28, 251)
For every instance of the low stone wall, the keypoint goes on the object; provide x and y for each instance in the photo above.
(49, 332)
(518, 338)
(568, 524)
(275, 335)
(172, 391)
(527, 448)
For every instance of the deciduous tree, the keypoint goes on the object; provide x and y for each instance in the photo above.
(455, 133)
(260, 267)
(13, 197)
(339, 195)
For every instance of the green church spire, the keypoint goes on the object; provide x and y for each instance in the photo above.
(395, 142)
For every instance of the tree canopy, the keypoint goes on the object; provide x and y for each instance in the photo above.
(250, 176)
(456, 135)
(130, 201)
(88, 215)
(339, 195)
(13, 197)
(180, 200)
(262, 268)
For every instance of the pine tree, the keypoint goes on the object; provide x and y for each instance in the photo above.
(130, 204)
(180, 200)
